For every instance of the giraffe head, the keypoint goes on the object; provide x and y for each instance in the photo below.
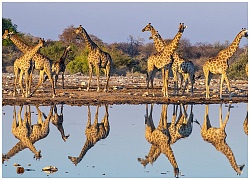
(147, 28)
(41, 42)
(155, 36)
(6, 34)
(79, 30)
(182, 27)
(244, 32)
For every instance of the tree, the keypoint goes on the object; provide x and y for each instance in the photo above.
(7, 24)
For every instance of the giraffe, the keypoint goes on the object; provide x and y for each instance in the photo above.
(185, 69)
(22, 129)
(41, 63)
(219, 64)
(94, 133)
(59, 66)
(24, 65)
(164, 60)
(159, 43)
(159, 138)
(97, 59)
(217, 137)
(38, 132)
(57, 120)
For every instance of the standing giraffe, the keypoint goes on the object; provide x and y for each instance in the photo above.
(59, 66)
(159, 43)
(217, 137)
(164, 60)
(219, 64)
(42, 63)
(96, 59)
(38, 132)
(24, 65)
(160, 139)
(186, 70)
(57, 120)
(94, 133)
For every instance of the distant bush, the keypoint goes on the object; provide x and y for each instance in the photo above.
(237, 69)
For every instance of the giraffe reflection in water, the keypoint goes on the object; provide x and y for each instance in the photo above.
(217, 137)
(57, 120)
(245, 123)
(28, 134)
(94, 133)
(166, 134)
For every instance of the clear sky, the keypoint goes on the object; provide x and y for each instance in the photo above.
(207, 22)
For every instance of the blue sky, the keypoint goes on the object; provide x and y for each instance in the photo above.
(207, 22)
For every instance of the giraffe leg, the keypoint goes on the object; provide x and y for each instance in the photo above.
(96, 116)
(186, 83)
(107, 77)
(62, 80)
(39, 83)
(98, 78)
(14, 123)
(221, 85)
(165, 78)
(39, 116)
(15, 80)
(89, 118)
(56, 78)
(223, 125)
(90, 76)
(27, 77)
(175, 82)
(228, 86)
(206, 74)
(49, 74)
(21, 83)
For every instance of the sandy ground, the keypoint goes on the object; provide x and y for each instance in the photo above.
(122, 90)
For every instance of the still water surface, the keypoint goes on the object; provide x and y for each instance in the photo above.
(118, 147)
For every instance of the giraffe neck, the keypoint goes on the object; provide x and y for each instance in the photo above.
(29, 55)
(19, 43)
(88, 145)
(170, 48)
(17, 148)
(65, 53)
(167, 150)
(226, 150)
(90, 44)
(230, 50)
(153, 31)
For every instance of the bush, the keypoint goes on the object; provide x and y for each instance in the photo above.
(79, 64)
(237, 69)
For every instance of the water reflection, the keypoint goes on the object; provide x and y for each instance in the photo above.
(93, 133)
(217, 137)
(168, 130)
(245, 123)
(166, 133)
(57, 120)
(28, 134)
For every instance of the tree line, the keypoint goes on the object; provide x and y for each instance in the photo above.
(129, 56)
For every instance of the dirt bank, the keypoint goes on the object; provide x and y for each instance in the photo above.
(123, 90)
